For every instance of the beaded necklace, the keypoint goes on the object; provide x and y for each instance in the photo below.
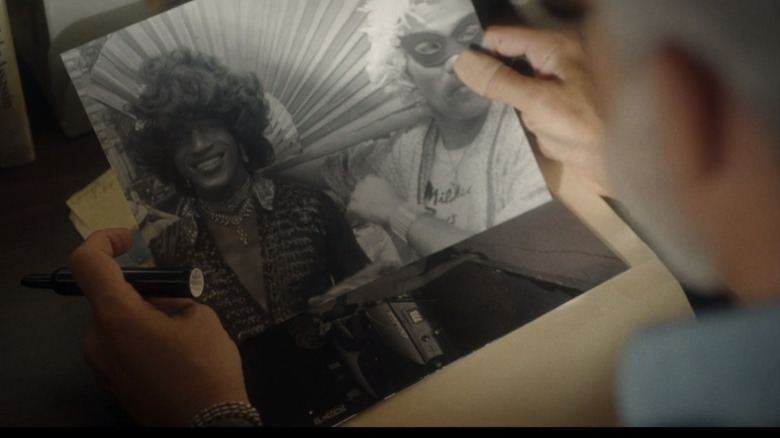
(232, 212)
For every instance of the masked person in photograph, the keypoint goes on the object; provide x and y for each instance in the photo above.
(466, 169)
(265, 247)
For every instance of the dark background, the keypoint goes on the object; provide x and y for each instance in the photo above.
(43, 380)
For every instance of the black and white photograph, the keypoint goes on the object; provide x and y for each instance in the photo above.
(346, 196)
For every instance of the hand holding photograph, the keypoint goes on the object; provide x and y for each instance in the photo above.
(361, 217)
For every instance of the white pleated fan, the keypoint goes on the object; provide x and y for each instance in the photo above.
(308, 54)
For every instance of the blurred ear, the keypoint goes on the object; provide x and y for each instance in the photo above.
(691, 106)
(724, 168)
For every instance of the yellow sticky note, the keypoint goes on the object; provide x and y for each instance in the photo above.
(99, 205)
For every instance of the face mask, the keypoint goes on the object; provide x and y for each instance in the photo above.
(431, 49)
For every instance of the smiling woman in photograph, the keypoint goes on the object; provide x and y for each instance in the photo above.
(265, 247)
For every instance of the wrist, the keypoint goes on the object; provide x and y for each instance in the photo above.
(402, 218)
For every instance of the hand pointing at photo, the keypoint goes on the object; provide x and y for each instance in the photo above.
(558, 105)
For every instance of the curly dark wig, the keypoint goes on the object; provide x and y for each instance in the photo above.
(183, 87)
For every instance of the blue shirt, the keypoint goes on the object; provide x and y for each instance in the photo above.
(721, 370)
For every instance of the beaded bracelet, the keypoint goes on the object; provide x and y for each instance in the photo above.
(227, 411)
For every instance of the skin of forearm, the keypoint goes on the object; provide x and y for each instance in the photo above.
(429, 234)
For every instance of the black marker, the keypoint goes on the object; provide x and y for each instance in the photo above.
(149, 282)
(520, 64)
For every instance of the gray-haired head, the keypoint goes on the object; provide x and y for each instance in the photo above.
(738, 40)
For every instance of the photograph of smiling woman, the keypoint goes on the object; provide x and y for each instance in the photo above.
(265, 247)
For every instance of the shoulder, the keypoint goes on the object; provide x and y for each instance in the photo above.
(291, 194)
(512, 151)
(719, 370)
(511, 135)
(410, 137)
(404, 151)
(292, 198)
(184, 208)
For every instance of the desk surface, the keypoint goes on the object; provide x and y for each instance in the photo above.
(43, 379)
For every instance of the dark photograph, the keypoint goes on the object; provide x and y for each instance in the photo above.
(361, 217)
